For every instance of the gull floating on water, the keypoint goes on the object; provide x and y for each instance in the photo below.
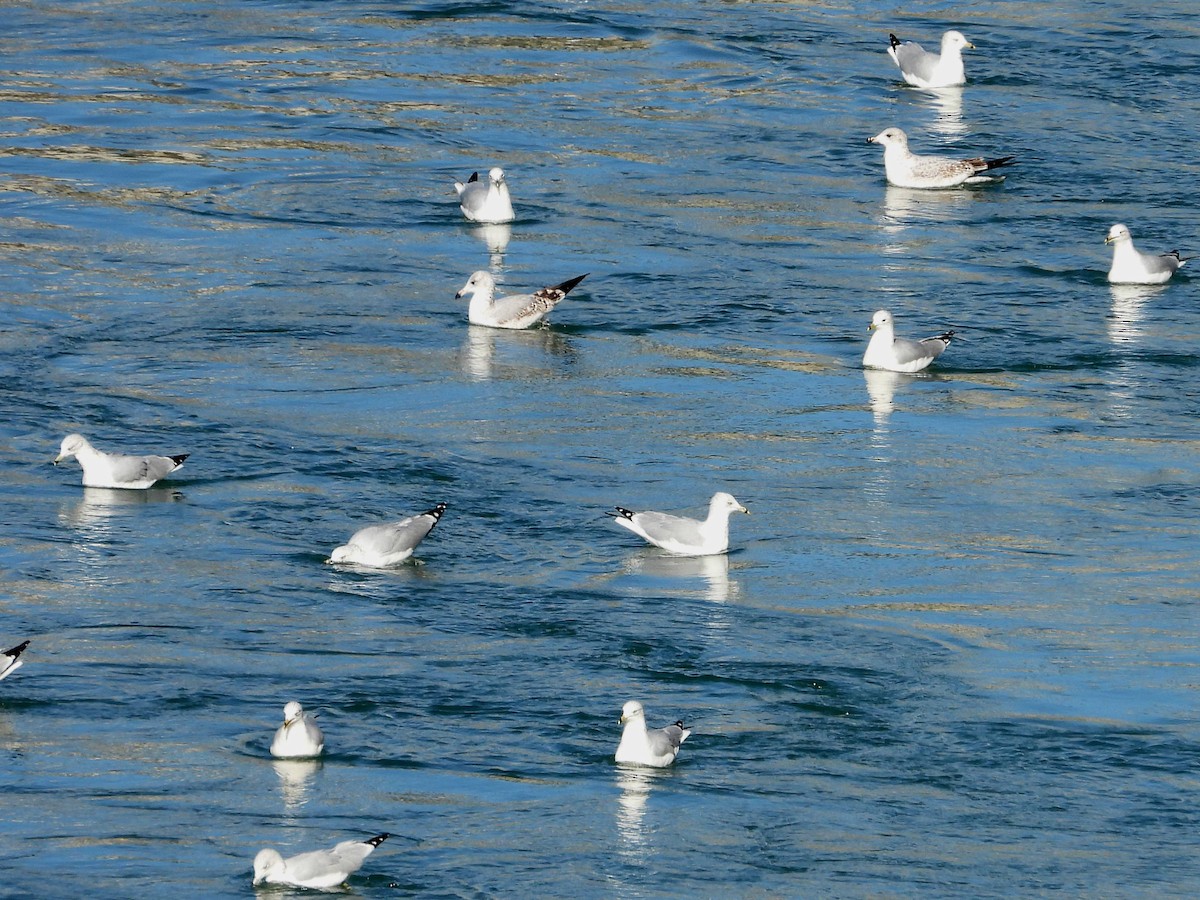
(897, 354)
(10, 660)
(1131, 266)
(487, 202)
(907, 169)
(515, 310)
(380, 546)
(648, 746)
(116, 470)
(923, 69)
(677, 534)
(298, 737)
(317, 868)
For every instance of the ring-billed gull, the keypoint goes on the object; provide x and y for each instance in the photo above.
(485, 201)
(10, 660)
(1131, 266)
(678, 534)
(897, 354)
(116, 470)
(648, 746)
(317, 868)
(380, 546)
(906, 169)
(515, 310)
(923, 69)
(298, 737)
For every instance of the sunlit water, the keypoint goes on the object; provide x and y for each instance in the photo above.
(953, 651)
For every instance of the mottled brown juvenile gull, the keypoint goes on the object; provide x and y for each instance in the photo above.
(514, 310)
(907, 169)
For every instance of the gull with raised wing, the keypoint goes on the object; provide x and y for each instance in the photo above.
(380, 546)
(681, 535)
(648, 746)
(10, 660)
(116, 470)
(1131, 266)
(298, 737)
(485, 201)
(923, 69)
(514, 310)
(897, 354)
(317, 868)
(907, 169)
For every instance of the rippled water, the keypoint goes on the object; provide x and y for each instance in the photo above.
(953, 651)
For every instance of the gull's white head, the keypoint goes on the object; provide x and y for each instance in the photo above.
(890, 137)
(1117, 233)
(480, 283)
(881, 319)
(265, 863)
(291, 712)
(632, 710)
(339, 554)
(726, 503)
(71, 445)
(955, 40)
(496, 175)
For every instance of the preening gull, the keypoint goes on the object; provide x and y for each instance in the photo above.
(298, 737)
(485, 201)
(923, 69)
(1131, 266)
(515, 310)
(116, 470)
(317, 868)
(677, 534)
(387, 545)
(10, 660)
(897, 354)
(648, 746)
(906, 169)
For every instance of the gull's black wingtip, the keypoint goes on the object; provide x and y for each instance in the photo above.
(894, 40)
(378, 839)
(1001, 162)
(178, 460)
(567, 286)
(17, 650)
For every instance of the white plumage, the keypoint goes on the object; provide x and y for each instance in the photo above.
(648, 746)
(514, 310)
(906, 169)
(679, 534)
(485, 201)
(299, 737)
(116, 470)
(317, 868)
(380, 546)
(923, 69)
(897, 354)
(1131, 266)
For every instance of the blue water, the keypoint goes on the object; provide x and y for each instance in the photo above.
(954, 649)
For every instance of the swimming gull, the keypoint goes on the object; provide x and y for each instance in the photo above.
(116, 470)
(298, 737)
(515, 310)
(923, 69)
(677, 534)
(387, 545)
(10, 660)
(897, 354)
(1132, 266)
(317, 868)
(648, 746)
(487, 202)
(906, 169)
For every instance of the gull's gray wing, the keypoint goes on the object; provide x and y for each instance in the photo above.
(909, 351)
(914, 59)
(396, 537)
(139, 468)
(1157, 263)
(666, 740)
(516, 307)
(665, 527)
(942, 167)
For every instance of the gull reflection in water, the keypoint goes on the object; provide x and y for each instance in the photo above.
(496, 238)
(526, 351)
(98, 505)
(947, 105)
(1125, 324)
(295, 779)
(711, 571)
(881, 388)
(635, 784)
